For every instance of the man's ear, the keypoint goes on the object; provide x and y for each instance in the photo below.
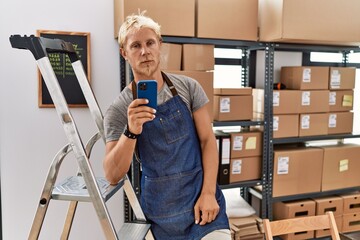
(123, 53)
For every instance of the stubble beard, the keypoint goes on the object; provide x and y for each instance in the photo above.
(147, 71)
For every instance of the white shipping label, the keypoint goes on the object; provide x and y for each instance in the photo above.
(335, 79)
(305, 122)
(276, 99)
(225, 105)
(225, 154)
(238, 143)
(283, 165)
(236, 167)
(306, 75)
(332, 120)
(275, 123)
(305, 99)
(332, 98)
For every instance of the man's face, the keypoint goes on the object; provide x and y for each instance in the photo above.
(142, 51)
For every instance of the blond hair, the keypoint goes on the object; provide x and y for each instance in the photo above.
(137, 21)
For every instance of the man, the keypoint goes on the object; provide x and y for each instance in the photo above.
(175, 143)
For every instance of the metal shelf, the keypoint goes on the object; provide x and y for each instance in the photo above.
(313, 138)
(242, 184)
(238, 123)
(315, 194)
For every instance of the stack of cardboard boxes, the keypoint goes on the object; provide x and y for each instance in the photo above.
(346, 209)
(316, 101)
(246, 228)
(240, 156)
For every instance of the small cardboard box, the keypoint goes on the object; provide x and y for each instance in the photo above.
(325, 204)
(351, 203)
(246, 144)
(289, 175)
(206, 80)
(170, 58)
(199, 57)
(284, 101)
(314, 101)
(245, 169)
(286, 125)
(305, 78)
(342, 78)
(340, 122)
(351, 222)
(165, 12)
(292, 209)
(341, 100)
(309, 21)
(341, 167)
(313, 124)
(239, 14)
(232, 104)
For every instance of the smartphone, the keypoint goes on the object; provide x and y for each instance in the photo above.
(148, 89)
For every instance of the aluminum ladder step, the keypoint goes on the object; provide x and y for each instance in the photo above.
(74, 189)
(133, 231)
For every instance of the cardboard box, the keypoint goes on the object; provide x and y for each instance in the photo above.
(309, 21)
(284, 101)
(342, 77)
(292, 209)
(232, 104)
(351, 222)
(170, 58)
(206, 80)
(314, 101)
(325, 204)
(341, 167)
(305, 78)
(289, 175)
(246, 144)
(235, 14)
(245, 169)
(165, 12)
(341, 100)
(340, 122)
(286, 125)
(199, 57)
(351, 203)
(313, 124)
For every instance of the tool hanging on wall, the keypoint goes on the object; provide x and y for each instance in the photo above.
(84, 186)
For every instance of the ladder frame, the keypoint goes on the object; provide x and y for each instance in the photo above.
(40, 47)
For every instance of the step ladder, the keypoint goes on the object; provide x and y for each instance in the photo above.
(84, 186)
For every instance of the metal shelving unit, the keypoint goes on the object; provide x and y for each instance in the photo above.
(269, 143)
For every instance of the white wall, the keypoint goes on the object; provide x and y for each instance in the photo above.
(29, 136)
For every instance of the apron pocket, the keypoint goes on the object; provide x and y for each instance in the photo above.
(171, 196)
(174, 126)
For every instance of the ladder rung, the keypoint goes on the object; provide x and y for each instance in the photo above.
(74, 189)
(133, 231)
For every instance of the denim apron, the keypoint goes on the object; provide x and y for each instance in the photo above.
(172, 174)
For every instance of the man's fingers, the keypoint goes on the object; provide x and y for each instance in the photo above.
(197, 214)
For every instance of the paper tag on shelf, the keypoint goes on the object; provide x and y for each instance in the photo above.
(306, 75)
(275, 123)
(238, 143)
(283, 165)
(225, 105)
(335, 79)
(332, 98)
(305, 122)
(276, 99)
(236, 166)
(332, 120)
(250, 143)
(305, 99)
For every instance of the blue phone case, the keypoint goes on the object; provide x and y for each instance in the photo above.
(148, 89)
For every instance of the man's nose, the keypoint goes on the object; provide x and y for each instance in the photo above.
(144, 50)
